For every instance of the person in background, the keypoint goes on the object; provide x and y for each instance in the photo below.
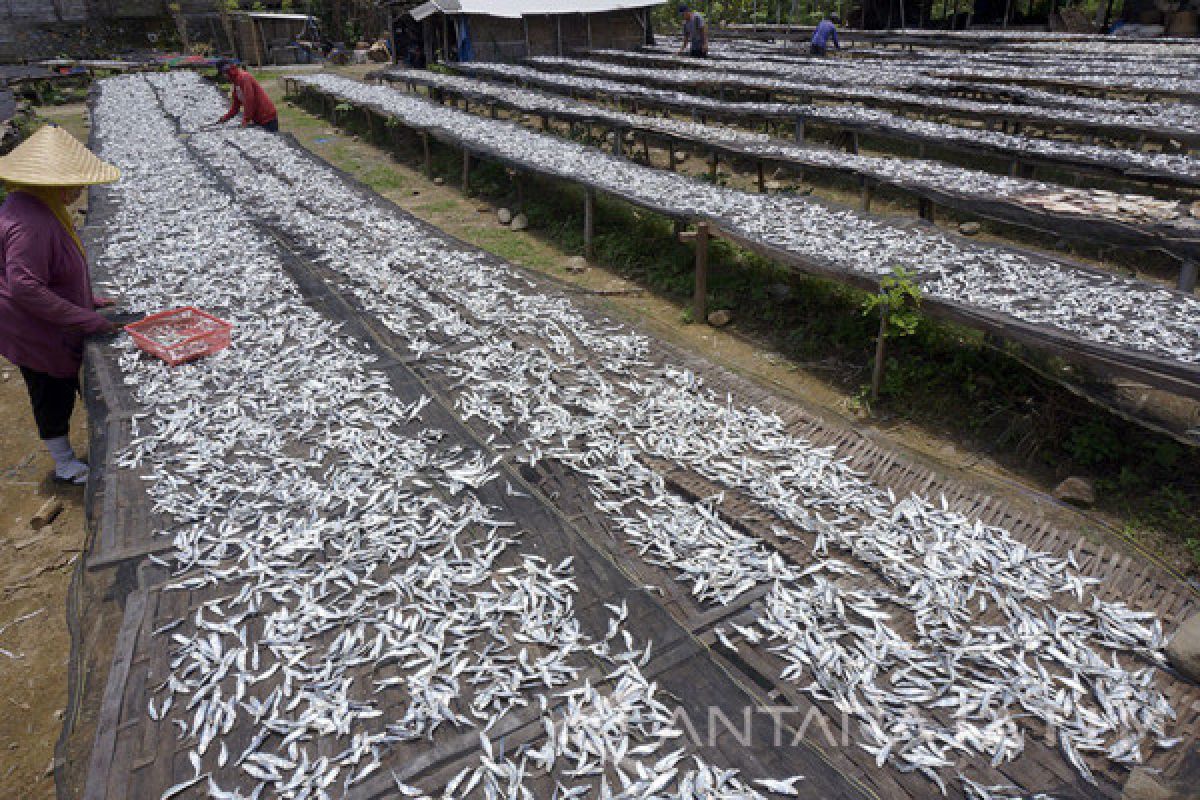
(695, 33)
(826, 30)
(47, 308)
(249, 98)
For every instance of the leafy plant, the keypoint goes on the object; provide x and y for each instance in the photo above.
(899, 298)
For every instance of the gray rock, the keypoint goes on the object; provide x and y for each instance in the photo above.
(520, 222)
(682, 156)
(1144, 785)
(1077, 491)
(439, 181)
(721, 318)
(504, 216)
(577, 264)
(1184, 649)
(969, 228)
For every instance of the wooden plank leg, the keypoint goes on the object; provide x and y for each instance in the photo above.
(671, 156)
(800, 130)
(1014, 169)
(925, 208)
(1187, 276)
(646, 149)
(466, 172)
(589, 223)
(762, 178)
(618, 141)
(428, 155)
(715, 163)
(700, 292)
(852, 144)
(868, 193)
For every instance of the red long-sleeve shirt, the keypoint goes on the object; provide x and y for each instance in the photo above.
(250, 99)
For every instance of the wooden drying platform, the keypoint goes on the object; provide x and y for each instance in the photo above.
(1183, 245)
(1019, 160)
(1150, 370)
(734, 88)
(136, 757)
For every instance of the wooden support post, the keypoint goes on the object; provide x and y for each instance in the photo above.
(852, 146)
(646, 148)
(880, 354)
(493, 111)
(1014, 169)
(700, 289)
(925, 208)
(671, 155)
(545, 122)
(589, 223)
(800, 129)
(868, 192)
(428, 155)
(466, 172)
(921, 150)
(1187, 276)
(715, 163)
(762, 178)
(618, 141)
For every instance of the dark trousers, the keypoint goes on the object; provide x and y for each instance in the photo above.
(816, 49)
(272, 126)
(697, 51)
(53, 400)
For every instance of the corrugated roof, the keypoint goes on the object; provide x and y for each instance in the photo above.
(274, 15)
(515, 9)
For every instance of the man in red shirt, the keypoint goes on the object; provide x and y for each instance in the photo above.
(249, 98)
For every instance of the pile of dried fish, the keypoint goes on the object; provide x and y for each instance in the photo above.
(942, 636)
(353, 591)
(910, 78)
(907, 172)
(1015, 145)
(1100, 307)
(1152, 120)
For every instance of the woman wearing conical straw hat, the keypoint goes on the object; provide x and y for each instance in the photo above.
(47, 307)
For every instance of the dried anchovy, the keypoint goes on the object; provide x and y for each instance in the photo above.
(980, 186)
(354, 591)
(1095, 306)
(943, 636)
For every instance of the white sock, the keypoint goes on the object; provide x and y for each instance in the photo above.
(60, 449)
(67, 465)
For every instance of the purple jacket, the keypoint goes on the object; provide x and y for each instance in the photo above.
(46, 301)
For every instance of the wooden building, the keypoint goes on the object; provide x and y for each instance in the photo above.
(265, 37)
(508, 30)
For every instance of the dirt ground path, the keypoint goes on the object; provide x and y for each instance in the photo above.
(36, 570)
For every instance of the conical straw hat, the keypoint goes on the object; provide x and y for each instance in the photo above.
(53, 157)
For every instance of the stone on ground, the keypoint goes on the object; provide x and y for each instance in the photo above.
(1077, 491)
(520, 222)
(504, 216)
(721, 318)
(577, 264)
(969, 228)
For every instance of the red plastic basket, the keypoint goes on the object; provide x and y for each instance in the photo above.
(180, 335)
